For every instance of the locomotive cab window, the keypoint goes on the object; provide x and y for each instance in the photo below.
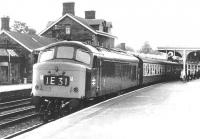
(82, 56)
(65, 52)
(46, 55)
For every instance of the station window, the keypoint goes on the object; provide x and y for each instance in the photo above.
(144, 70)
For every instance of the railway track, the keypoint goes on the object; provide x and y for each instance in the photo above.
(14, 113)
(22, 119)
(14, 120)
(14, 104)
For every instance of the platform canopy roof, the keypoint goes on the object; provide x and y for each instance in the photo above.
(179, 47)
(30, 42)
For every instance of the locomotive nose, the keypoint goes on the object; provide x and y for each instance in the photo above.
(59, 80)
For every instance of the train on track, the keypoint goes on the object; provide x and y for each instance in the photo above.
(69, 72)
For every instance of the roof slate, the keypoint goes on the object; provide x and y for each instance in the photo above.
(85, 22)
(30, 42)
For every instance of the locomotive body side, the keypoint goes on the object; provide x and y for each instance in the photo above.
(114, 72)
(118, 76)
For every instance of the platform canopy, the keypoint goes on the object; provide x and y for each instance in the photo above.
(190, 55)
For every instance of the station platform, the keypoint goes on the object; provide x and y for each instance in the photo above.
(162, 111)
(14, 92)
(14, 87)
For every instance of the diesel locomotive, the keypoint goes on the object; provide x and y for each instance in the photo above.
(69, 72)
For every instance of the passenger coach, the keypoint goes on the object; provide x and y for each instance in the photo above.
(158, 70)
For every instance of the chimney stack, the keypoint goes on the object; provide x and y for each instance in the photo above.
(68, 8)
(89, 14)
(5, 23)
(123, 46)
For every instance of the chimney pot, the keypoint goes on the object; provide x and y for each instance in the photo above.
(68, 8)
(5, 23)
(89, 14)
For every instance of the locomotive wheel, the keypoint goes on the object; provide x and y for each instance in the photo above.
(45, 117)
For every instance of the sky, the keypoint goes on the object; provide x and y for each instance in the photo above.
(158, 22)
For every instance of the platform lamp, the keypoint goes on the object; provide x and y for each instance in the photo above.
(9, 67)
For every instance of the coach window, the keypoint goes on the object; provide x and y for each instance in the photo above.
(151, 69)
(83, 56)
(156, 67)
(147, 70)
(144, 69)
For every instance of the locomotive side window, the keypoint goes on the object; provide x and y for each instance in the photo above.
(82, 56)
(65, 52)
(46, 55)
(117, 69)
(108, 68)
(133, 72)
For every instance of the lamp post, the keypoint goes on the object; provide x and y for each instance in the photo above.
(9, 67)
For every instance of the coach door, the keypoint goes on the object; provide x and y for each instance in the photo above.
(140, 72)
(98, 68)
(99, 76)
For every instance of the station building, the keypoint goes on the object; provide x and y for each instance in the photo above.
(16, 49)
(16, 57)
(90, 30)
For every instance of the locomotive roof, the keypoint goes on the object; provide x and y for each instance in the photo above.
(98, 51)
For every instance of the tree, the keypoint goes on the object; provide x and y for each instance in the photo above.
(124, 47)
(146, 48)
(129, 48)
(23, 28)
(31, 31)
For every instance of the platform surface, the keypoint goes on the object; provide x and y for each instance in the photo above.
(162, 111)
(14, 87)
